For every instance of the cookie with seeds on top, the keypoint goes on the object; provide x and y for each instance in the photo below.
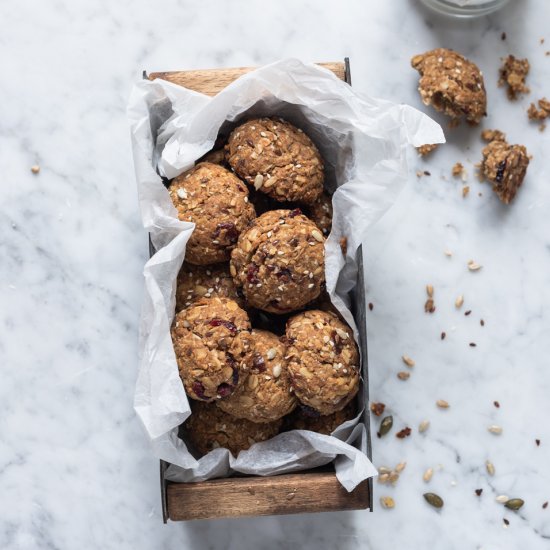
(452, 84)
(202, 335)
(320, 212)
(216, 201)
(266, 394)
(279, 261)
(277, 158)
(210, 428)
(323, 361)
(204, 281)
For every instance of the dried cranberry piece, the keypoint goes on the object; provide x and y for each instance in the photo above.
(251, 272)
(225, 389)
(198, 390)
(285, 275)
(309, 412)
(258, 362)
(295, 212)
(231, 233)
(223, 323)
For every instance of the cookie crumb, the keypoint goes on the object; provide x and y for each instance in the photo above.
(465, 191)
(513, 73)
(457, 169)
(540, 114)
(426, 149)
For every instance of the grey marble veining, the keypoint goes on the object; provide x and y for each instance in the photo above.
(75, 471)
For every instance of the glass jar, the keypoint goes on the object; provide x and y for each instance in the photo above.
(465, 8)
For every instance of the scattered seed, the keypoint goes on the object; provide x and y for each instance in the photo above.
(428, 474)
(448, 253)
(393, 478)
(383, 478)
(442, 404)
(400, 467)
(514, 504)
(478, 492)
(408, 361)
(403, 375)
(429, 306)
(482, 322)
(506, 522)
(430, 290)
(385, 426)
(465, 191)
(473, 344)
(443, 336)
(434, 500)
(502, 499)
(545, 505)
(473, 266)
(494, 429)
(468, 312)
(503, 36)
(371, 306)
(496, 404)
(402, 434)
(459, 301)
(537, 441)
(384, 470)
(35, 169)
(490, 467)
(426, 173)
(423, 426)
(377, 408)
(387, 502)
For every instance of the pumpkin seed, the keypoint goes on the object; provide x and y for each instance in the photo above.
(514, 504)
(386, 425)
(435, 500)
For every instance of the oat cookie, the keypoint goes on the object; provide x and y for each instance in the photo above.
(320, 212)
(277, 158)
(217, 202)
(323, 361)
(279, 261)
(202, 335)
(209, 428)
(204, 281)
(308, 419)
(512, 74)
(452, 84)
(266, 395)
(504, 165)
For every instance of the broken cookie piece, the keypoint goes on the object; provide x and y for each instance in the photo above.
(426, 149)
(512, 73)
(540, 114)
(504, 165)
(452, 84)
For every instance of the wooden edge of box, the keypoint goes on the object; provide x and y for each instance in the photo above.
(212, 81)
(304, 492)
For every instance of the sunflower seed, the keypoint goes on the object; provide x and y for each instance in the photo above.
(408, 361)
(258, 181)
(473, 266)
(430, 290)
(403, 375)
(428, 474)
(502, 499)
(514, 504)
(383, 478)
(494, 429)
(442, 404)
(317, 235)
(277, 370)
(387, 502)
(386, 425)
(423, 426)
(400, 467)
(490, 468)
(384, 470)
(459, 301)
(435, 500)
(271, 353)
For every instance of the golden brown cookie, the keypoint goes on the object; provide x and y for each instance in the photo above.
(308, 419)
(320, 212)
(199, 281)
(323, 360)
(209, 428)
(277, 158)
(452, 84)
(279, 261)
(202, 335)
(266, 395)
(504, 165)
(217, 202)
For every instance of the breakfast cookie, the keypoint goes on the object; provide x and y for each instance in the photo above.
(204, 281)
(279, 261)
(504, 165)
(217, 202)
(320, 212)
(303, 419)
(202, 335)
(209, 428)
(452, 84)
(277, 158)
(512, 74)
(265, 396)
(323, 361)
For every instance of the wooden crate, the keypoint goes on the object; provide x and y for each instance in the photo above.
(310, 491)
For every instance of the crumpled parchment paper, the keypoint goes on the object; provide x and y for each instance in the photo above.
(363, 142)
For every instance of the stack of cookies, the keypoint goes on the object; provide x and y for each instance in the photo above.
(255, 260)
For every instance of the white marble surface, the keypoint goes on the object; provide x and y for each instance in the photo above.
(75, 471)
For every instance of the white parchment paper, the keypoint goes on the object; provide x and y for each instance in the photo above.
(364, 143)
